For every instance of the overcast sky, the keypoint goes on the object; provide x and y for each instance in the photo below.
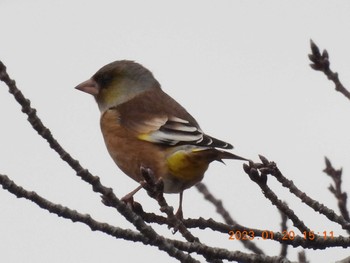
(239, 67)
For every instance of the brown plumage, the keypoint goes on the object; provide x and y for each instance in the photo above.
(144, 127)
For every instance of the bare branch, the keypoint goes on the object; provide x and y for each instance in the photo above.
(75, 216)
(321, 63)
(302, 257)
(304, 241)
(342, 197)
(271, 168)
(176, 247)
(155, 190)
(284, 227)
(202, 188)
(261, 179)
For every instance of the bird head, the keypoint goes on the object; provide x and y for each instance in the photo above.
(118, 82)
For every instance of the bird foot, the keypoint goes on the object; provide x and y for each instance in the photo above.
(179, 214)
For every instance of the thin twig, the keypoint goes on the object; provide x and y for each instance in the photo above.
(261, 180)
(271, 168)
(302, 257)
(220, 209)
(284, 247)
(155, 190)
(321, 63)
(67, 213)
(342, 197)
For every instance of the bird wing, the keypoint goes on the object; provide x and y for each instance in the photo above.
(157, 118)
(171, 130)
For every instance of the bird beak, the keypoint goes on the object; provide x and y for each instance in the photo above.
(90, 86)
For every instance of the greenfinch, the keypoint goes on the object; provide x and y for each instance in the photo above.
(143, 127)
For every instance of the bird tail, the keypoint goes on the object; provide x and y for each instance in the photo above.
(220, 155)
(213, 154)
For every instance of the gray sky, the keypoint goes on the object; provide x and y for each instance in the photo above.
(240, 68)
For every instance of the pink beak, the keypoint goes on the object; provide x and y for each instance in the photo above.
(90, 86)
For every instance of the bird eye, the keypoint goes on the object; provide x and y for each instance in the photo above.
(104, 80)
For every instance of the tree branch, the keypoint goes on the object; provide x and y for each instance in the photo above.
(155, 190)
(265, 168)
(202, 188)
(284, 227)
(321, 63)
(271, 168)
(342, 197)
(84, 174)
(176, 247)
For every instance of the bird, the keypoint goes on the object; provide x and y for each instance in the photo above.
(143, 127)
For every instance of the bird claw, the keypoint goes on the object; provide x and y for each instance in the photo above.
(128, 199)
(179, 214)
